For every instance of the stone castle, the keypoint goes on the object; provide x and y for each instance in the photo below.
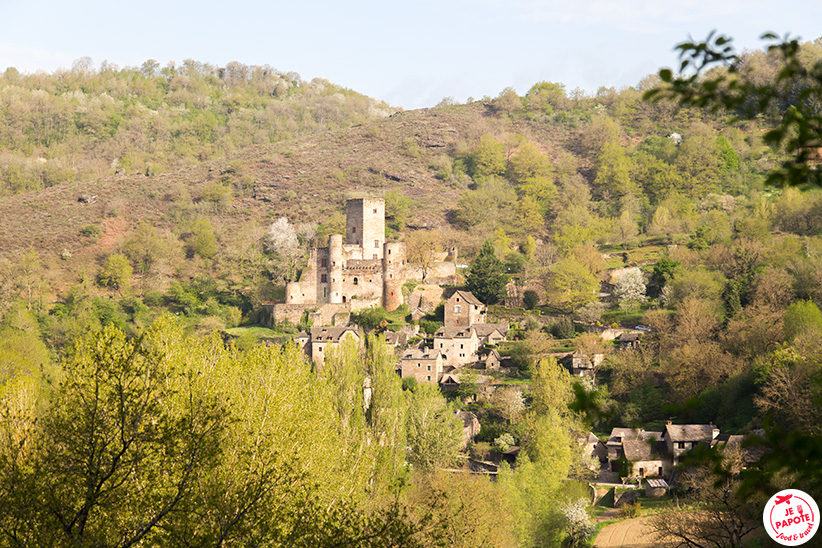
(347, 277)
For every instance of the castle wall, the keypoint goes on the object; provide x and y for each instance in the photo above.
(437, 271)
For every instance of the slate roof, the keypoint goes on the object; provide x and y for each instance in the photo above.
(643, 450)
(453, 333)
(420, 354)
(485, 329)
(468, 297)
(333, 334)
(690, 432)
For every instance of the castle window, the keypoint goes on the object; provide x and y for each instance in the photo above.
(323, 262)
(389, 252)
(324, 278)
(356, 281)
(377, 244)
(343, 298)
(353, 229)
(325, 292)
(333, 263)
(428, 377)
(375, 210)
(429, 368)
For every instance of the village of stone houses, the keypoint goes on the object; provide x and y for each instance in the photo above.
(463, 356)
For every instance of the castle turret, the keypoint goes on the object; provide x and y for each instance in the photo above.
(335, 264)
(393, 268)
(365, 226)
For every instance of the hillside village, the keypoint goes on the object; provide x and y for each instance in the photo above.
(340, 280)
(503, 321)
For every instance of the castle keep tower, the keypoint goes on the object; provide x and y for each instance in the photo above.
(365, 226)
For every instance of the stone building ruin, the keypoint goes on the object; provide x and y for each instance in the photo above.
(347, 276)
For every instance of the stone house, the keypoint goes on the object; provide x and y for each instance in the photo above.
(321, 339)
(463, 309)
(646, 458)
(582, 365)
(628, 340)
(458, 345)
(680, 438)
(362, 272)
(656, 454)
(615, 446)
(490, 333)
(423, 364)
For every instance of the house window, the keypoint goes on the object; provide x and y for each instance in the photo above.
(389, 252)
(320, 348)
(419, 365)
(440, 345)
(659, 473)
(353, 229)
(457, 309)
(375, 211)
(324, 278)
(325, 292)
(642, 472)
(374, 256)
(356, 281)
(377, 244)
(461, 347)
(428, 377)
(680, 445)
(333, 263)
(429, 368)
(458, 299)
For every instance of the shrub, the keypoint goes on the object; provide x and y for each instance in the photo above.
(630, 510)
(563, 328)
(530, 299)
(91, 231)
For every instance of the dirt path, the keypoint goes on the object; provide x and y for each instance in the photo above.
(632, 533)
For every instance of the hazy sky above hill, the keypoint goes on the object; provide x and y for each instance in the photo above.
(410, 54)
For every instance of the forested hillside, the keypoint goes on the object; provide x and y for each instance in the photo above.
(89, 122)
(156, 207)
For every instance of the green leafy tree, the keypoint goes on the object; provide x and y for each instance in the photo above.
(434, 431)
(613, 177)
(571, 285)
(116, 272)
(486, 278)
(487, 159)
(202, 241)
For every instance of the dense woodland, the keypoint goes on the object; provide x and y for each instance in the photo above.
(139, 407)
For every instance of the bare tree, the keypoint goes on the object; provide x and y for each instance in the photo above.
(722, 519)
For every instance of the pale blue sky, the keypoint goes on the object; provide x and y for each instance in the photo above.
(409, 54)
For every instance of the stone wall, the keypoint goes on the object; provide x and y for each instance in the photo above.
(436, 272)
